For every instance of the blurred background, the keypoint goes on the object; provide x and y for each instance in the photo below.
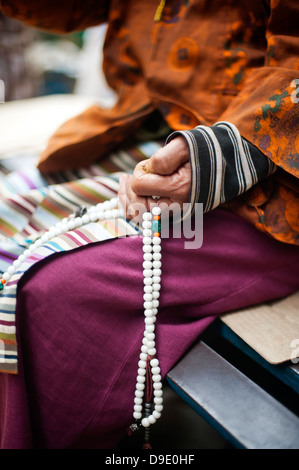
(34, 63)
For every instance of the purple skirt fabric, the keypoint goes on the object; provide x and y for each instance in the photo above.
(80, 325)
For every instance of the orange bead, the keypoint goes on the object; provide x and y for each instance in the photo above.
(156, 217)
(156, 234)
(3, 281)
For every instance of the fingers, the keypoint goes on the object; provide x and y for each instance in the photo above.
(166, 174)
(175, 186)
(132, 204)
(169, 158)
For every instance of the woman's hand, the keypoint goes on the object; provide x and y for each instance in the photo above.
(166, 174)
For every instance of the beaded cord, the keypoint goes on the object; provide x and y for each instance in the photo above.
(148, 392)
(102, 211)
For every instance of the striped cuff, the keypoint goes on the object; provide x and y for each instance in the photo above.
(223, 164)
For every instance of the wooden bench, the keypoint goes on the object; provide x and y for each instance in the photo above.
(252, 402)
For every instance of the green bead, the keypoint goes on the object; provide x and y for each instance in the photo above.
(156, 226)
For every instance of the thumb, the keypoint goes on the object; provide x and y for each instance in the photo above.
(169, 158)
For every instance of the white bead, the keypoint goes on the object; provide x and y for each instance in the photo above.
(137, 415)
(147, 281)
(147, 232)
(152, 352)
(142, 364)
(44, 237)
(140, 386)
(141, 371)
(150, 336)
(147, 265)
(105, 205)
(156, 210)
(6, 276)
(157, 378)
(11, 270)
(156, 279)
(157, 248)
(158, 400)
(155, 295)
(115, 213)
(157, 264)
(150, 344)
(146, 224)
(140, 379)
(147, 297)
(158, 393)
(157, 256)
(78, 222)
(143, 358)
(157, 385)
(154, 362)
(148, 312)
(85, 219)
(114, 201)
(147, 304)
(150, 328)
(93, 217)
(145, 423)
(156, 241)
(108, 214)
(149, 320)
(158, 408)
(21, 258)
(155, 311)
(147, 240)
(147, 256)
(38, 243)
(147, 273)
(144, 348)
(147, 216)
(156, 370)
(26, 253)
(152, 419)
(148, 289)
(55, 232)
(156, 272)
(137, 407)
(156, 414)
(156, 287)
(138, 401)
(139, 393)
(147, 248)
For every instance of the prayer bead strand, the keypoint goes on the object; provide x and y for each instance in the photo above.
(102, 211)
(149, 380)
(148, 392)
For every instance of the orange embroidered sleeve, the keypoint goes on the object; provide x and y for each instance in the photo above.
(266, 112)
(49, 15)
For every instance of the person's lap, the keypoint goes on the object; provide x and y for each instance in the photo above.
(80, 325)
